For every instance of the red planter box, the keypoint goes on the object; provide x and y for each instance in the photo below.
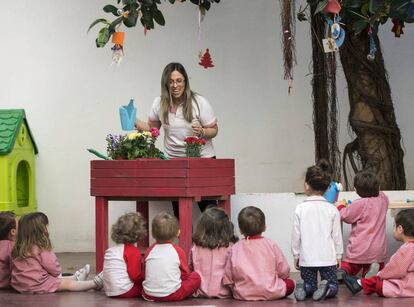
(185, 180)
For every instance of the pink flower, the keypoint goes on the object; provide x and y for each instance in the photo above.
(154, 132)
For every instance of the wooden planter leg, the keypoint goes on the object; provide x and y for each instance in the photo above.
(101, 230)
(142, 207)
(186, 227)
(225, 205)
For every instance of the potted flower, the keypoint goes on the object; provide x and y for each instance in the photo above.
(193, 146)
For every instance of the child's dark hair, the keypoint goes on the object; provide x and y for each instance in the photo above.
(164, 227)
(318, 178)
(32, 231)
(7, 223)
(405, 219)
(366, 184)
(214, 229)
(326, 166)
(252, 221)
(129, 228)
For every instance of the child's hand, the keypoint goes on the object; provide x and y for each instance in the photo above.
(296, 263)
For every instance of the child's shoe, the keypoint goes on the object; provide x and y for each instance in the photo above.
(98, 280)
(83, 273)
(373, 270)
(321, 292)
(300, 293)
(352, 284)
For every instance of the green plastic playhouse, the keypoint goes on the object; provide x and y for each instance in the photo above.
(17, 166)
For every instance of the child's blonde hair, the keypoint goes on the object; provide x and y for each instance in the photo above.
(214, 229)
(129, 228)
(164, 227)
(32, 231)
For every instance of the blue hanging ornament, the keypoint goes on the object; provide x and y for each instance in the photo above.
(372, 46)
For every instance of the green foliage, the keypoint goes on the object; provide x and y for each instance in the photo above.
(358, 15)
(128, 12)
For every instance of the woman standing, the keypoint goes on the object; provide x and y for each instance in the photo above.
(182, 113)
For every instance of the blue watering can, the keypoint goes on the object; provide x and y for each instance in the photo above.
(128, 114)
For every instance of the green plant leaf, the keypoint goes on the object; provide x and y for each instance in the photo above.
(112, 26)
(158, 17)
(321, 5)
(111, 9)
(375, 5)
(103, 37)
(100, 20)
(131, 20)
(359, 25)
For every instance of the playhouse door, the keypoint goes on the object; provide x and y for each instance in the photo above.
(22, 185)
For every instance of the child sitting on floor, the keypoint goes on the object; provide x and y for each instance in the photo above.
(167, 277)
(8, 233)
(213, 239)
(367, 242)
(396, 279)
(122, 273)
(256, 268)
(316, 239)
(35, 268)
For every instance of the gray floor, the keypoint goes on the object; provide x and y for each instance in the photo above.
(71, 261)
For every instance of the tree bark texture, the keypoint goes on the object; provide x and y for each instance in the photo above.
(372, 117)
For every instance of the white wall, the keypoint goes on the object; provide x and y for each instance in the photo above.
(52, 69)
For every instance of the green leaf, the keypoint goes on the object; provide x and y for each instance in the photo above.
(131, 20)
(112, 26)
(354, 3)
(359, 25)
(158, 17)
(111, 9)
(375, 5)
(321, 5)
(103, 37)
(100, 20)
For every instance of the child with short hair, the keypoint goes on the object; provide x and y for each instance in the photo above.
(167, 276)
(8, 233)
(122, 272)
(35, 268)
(316, 239)
(256, 268)
(213, 238)
(367, 242)
(396, 279)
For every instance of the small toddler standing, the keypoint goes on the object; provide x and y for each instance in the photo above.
(8, 233)
(122, 272)
(316, 239)
(167, 276)
(256, 268)
(367, 242)
(396, 279)
(35, 268)
(213, 239)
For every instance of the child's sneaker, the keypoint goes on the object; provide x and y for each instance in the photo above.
(321, 292)
(300, 293)
(373, 270)
(352, 284)
(83, 273)
(98, 280)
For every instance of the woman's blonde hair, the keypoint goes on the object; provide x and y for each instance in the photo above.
(32, 231)
(166, 96)
(129, 228)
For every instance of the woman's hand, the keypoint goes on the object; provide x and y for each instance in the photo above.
(198, 130)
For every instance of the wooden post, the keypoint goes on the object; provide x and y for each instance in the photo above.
(142, 207)
(225, 205)
(186, 226)
(101, 230)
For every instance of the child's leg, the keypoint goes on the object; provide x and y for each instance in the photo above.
(67, 284)
(329, 274)
(367, 267)
(290, 286)
(135, 291)
(371, 285)
(189, 285)
(310, 277)
(351, 268)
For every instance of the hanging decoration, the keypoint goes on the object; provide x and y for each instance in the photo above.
(372, 46)
(397, 27)
(205, 59)
(332, 7)
(288, 39)
(118, 47)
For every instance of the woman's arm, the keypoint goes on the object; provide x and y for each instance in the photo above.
(204, 132)
(146, 126)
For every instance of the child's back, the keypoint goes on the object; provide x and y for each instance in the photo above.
(6, 247)
(256, 269)
(367, 242)
(37, 273)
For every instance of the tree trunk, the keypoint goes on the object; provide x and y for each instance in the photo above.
(372, 117)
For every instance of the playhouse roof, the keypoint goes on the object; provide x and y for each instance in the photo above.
(10, 123)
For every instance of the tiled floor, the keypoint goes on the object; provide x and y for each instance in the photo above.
(71, 261)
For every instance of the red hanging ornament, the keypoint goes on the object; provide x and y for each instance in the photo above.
(333, 7)
(397, 28)
(205, 59)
